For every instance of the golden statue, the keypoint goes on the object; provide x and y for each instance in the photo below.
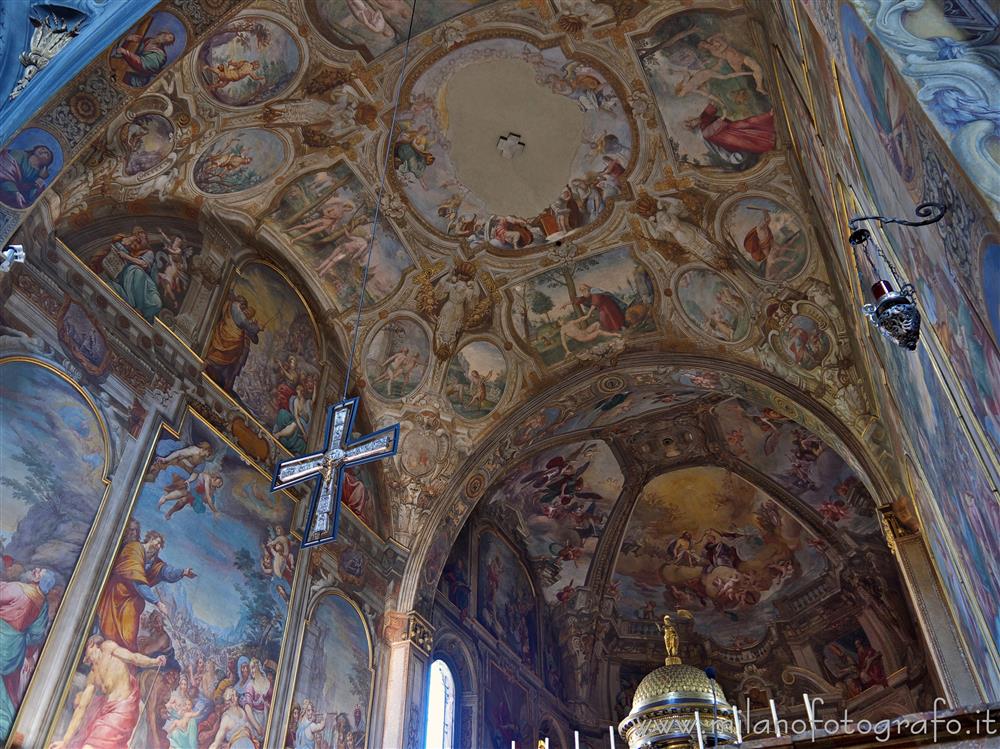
(671, 642)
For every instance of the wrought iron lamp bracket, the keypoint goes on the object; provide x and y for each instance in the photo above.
(930, 212)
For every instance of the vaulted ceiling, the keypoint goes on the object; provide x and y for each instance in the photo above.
(600, 296)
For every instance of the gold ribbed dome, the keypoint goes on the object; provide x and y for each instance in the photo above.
(677, 679)
(668, 701)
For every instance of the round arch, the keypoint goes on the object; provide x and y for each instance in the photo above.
(497, 449)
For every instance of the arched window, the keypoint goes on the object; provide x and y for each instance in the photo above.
(440, 708)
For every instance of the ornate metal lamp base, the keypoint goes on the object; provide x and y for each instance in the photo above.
(895, 314)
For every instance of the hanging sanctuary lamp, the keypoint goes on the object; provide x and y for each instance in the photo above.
(894, 313)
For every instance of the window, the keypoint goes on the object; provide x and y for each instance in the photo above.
(440, 708)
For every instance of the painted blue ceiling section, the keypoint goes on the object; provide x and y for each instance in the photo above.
(103, 22)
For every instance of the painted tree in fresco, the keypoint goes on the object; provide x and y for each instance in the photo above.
(60, 512)
(260, 612)
(541, 304)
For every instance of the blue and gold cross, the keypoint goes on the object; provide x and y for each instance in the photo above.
(339, 453)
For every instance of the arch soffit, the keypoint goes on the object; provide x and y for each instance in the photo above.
(487, 465)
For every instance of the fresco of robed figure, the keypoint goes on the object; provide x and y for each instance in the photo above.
(263, 350)
(196, 600)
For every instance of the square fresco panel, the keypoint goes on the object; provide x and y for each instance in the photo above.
(710, 90)
(585, 307)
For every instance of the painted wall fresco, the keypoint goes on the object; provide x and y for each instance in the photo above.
(250, 60)
(148, 48)
(964, 510)
(991, 284)
(710, 90)
(800, 462)
(55, 456)
(146, 260)
(333, 688)
(948, 55)
(456, 579)
(965, 340)
(570, 415)
(375, 26)
(852, 663)
(880, 91)
(585, 307)
(432, 182)
(769, 238)
(327, 216)
(729, 557)
(712, 304)
(238, 161)
(564, 496)
(801, 122)
(263, 351)
(189, 624)
(505, 711)
(397, 358)
(476, 379)
(28, 164)
(505, 597)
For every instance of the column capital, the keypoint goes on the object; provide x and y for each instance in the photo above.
(408, 627)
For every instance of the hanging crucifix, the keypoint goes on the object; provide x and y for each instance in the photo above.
(339, 453)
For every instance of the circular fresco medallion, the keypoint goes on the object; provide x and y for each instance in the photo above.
(148, 140)
(512, 179)
(397, 358)
(803, 342)
(147, 49)
(713, 305)
(238, 161)
(248, 61)
(767, 236)
(476, 379)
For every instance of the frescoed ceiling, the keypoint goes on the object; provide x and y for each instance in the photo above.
(672, 494)
(572, 185)
(631, 220)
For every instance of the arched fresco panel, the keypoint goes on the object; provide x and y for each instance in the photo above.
(195, 600)
(729, 557)
(55, 458)
(564, 496)
(799, 461)
(505, 597)
(264, 351)
(333, 689)
(145, 259)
